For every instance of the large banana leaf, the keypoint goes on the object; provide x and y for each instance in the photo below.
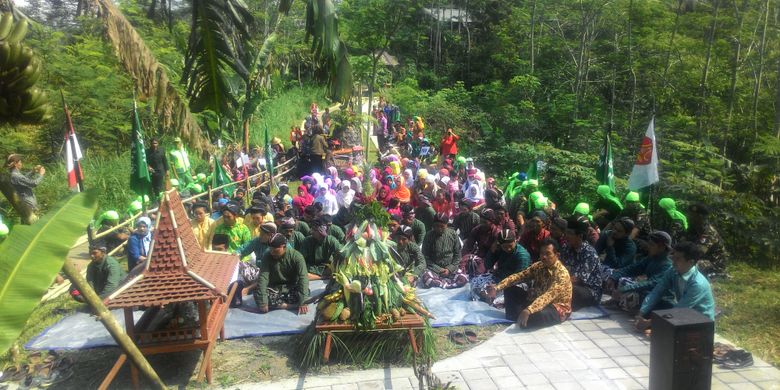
(216, 45)
(31, 256)
(322, 24)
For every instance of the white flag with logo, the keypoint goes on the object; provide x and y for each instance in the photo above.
(645, 170)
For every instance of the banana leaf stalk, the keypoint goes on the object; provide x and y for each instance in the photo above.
(122, 339)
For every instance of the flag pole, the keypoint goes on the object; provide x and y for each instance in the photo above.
(213, 182)
(70, 133)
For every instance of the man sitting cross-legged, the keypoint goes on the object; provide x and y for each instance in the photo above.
(548, 300)
(627, 289)
(689, 287)
(283, 281)
(441, 249)
(506, 258)
(409, 255)
(103, 273)
(319, 250)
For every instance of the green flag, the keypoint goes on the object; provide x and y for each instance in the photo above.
(219, 177)
(532, 172)
(269, 161)
(140, 180)
(604, 172)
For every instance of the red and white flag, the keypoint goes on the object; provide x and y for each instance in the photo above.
(72, 154)
(645, 170)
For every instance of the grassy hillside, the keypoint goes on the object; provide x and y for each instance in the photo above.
(286, 109)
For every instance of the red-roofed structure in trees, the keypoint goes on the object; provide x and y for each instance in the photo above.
(177, 272)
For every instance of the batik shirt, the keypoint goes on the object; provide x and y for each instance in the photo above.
(584, 265)
(238, 235)
(441, 251)
(549, 286)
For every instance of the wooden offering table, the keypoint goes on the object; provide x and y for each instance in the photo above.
(178, 275)
(408, 323)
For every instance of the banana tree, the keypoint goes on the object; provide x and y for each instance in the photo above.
(30, 258)
(20, 100)
(220, 51)
(20, 70)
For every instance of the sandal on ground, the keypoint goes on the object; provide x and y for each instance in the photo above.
(471, 336)
(457, 337)
(57, 376)
(719, 351)
(737, 359)
(12, 374)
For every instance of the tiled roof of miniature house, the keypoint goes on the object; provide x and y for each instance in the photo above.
(178, 269)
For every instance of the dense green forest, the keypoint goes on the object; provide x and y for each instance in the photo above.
(523, 80)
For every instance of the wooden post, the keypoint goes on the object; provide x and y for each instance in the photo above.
(104, 315)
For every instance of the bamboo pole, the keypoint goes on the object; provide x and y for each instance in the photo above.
(154, 210)
(116, 250)
(104, 315)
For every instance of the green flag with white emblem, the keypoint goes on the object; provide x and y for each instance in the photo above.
(604, 172)
(140, 180)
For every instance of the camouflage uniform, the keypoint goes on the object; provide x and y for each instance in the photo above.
(713, 260)
(674, 227)
(641, 222)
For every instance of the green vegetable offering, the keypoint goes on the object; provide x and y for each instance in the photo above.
(369, 287)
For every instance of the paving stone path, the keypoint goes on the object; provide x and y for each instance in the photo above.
(586, 354)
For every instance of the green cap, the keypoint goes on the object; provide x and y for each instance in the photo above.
(605, 192)
(667, 204)
(109, 215)
(174, 183)
(197, 188)
(201, 177)
(632, 197)
(144, 199)
(582, 208)
(135, 206)
(461, 160)
(670, 206)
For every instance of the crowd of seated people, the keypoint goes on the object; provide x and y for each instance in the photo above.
(452, 227)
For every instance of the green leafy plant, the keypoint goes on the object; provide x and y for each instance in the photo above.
(31, 256)
(373, 211)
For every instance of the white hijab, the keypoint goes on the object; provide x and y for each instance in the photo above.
(346, 195)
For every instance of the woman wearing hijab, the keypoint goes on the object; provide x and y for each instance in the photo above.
(401, 191)
(138, 243)
(383, 195)
(408, 176)
(328, 201)
(309, 182)
(475, 194)
(303, 200)
(346, 195)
